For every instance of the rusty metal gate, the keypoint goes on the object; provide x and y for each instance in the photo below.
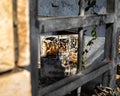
(42, 24)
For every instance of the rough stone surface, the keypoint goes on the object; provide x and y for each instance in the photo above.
(23, 32)
(15, 84)
(6, 36)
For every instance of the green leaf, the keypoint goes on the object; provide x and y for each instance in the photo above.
(90, 4)
(93, 2)
(83, 67)
(94, 33)
(87, 8)
(83, 60)
(90, 43)
(83, 52)
(86, 51)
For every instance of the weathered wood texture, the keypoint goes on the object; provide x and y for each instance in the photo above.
(23, 32)
(6, 36)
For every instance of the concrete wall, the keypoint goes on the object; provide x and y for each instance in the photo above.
(58, 7)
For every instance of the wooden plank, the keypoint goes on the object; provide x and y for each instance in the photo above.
(70, 79)
(62, 23)
(79, 82)
(33, 48)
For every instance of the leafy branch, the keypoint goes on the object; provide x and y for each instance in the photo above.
(90, 4)
(90, 43)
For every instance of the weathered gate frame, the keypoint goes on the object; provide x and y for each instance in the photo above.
(107, 67)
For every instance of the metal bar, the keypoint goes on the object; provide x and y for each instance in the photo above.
(114, 40)
(80, 36)
(63, 23)
(105, 78)
(82, 7)
(79, 82)
(80, 51)
(67, 80)
(33, 47)
(108, 41)
(80, 42)
(110, 6)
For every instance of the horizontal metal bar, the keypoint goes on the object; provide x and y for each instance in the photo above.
(79, 82)
(70, 79)
(50, 24)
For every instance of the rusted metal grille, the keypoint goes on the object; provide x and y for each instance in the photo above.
(60, 55)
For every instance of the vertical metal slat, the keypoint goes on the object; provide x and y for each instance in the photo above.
(33, 47)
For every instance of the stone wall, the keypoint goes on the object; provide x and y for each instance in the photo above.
(23, 32)
(6, 36)
(14, 81)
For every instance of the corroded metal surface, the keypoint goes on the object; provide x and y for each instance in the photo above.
(59, 55)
